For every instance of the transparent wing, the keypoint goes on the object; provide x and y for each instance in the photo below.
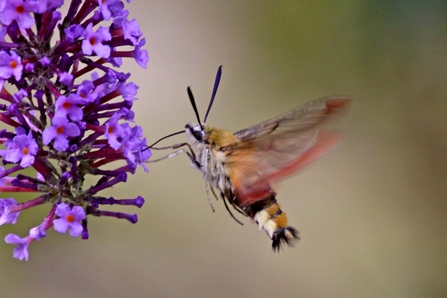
(299, 119)
(276, 148)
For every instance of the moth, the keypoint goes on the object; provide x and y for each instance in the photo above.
(242, 166)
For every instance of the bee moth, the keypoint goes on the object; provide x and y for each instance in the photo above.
(242, 166)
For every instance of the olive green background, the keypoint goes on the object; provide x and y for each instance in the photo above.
(371, 215)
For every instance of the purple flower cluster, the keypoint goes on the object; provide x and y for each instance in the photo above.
(68, 109)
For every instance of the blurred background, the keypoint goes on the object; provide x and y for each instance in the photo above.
(371, 215)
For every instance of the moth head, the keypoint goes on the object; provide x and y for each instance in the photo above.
(195, 131)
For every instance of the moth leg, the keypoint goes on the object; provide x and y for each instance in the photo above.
(228, 209)
(175, 153)
(214, 194)
(190, 154)
(207, 185)
(175, 146)
(207, 188)
(232, 198)
(192, 157)
(238, 209)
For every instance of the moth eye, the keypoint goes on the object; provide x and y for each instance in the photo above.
(198, 134)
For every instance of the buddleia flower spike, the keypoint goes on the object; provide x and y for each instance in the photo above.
(68, 112)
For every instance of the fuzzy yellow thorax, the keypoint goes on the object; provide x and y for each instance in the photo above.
(219, 137)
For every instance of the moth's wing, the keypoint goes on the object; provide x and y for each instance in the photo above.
(302, 118)
(276, 148)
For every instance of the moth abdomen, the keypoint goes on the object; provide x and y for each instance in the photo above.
(269, 216)
(285, 235)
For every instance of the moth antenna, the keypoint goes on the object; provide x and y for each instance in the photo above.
(193, 103)
(216, 85)
(165, 137)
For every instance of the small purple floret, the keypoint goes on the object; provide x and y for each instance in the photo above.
(21, 149)
(93, 41)
(60, 131)
(69, 219)
(6, 215)
(21, 251)
(37, 233)
(69, 106)
(10, 65)
(18, 10)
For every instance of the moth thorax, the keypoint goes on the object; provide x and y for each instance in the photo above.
(220, 138)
